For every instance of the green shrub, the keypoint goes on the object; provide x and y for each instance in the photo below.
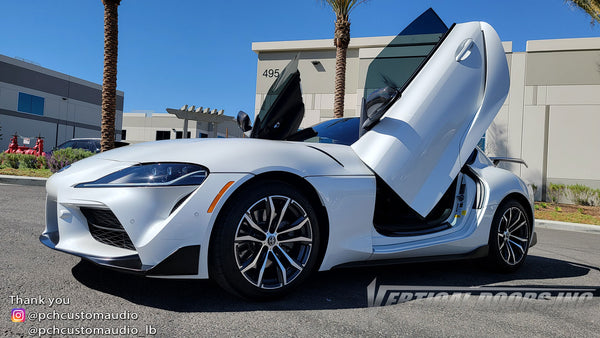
(23, 161)
(42, 162)
(558, 209)
(582, 195)
(544, 205)
(555, 191)
(27, 161)
(10, 160)
(64, 157)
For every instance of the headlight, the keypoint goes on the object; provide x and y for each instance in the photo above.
(151, 175)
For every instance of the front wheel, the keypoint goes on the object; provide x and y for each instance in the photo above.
(509, 236)
(266, 242)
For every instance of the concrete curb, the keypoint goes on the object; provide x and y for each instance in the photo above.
(23, 180)
(555, 225)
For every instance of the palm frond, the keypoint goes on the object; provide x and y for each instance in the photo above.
(592, 7)
(342, 8)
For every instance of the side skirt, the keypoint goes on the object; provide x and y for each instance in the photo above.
(480, 252)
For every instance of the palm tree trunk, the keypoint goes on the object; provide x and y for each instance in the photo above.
(109, 83)
(341, 41)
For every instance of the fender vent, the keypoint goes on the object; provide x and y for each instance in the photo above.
(106, 228)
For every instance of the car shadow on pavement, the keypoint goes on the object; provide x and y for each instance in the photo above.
(337, 289)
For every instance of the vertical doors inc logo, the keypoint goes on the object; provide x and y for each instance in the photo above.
(17, 315)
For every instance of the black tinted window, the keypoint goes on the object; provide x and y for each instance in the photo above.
(337, 131)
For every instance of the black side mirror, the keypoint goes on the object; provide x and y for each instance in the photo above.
(243, 121)
(376, 105)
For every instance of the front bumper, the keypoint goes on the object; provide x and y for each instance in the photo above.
(157, 231)
(182, 262)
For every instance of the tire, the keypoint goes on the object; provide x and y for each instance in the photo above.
(265, 242)
(510, 236)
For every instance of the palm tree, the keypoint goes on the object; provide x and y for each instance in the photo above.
(109, 82)
(341, 39)
(592, 7)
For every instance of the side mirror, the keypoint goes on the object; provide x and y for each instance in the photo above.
(376, 105)
(243, 120)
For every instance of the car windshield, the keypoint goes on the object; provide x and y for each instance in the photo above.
(337, 131)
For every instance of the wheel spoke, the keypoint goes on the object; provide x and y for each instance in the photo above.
(254, 262)
(517, 245)
(296, 239)
(248, 219)
(289, 259)
(524, 240)
(272, 213)
(297, 227)
(281, 269)
(248, 238)
(283, 210)
(511, 253)
(262, 269)
(515, 226)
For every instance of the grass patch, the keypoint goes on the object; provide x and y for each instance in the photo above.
(568, 213)
(26, 172)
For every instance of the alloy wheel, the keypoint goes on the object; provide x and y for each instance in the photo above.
(513, 236)
(273, 242)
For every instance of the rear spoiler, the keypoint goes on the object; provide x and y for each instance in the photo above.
(497, 160)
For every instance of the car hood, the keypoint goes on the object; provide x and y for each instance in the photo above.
(233, 155)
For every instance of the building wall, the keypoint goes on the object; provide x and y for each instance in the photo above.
(142, 127)
(71, 106)
(550, 118)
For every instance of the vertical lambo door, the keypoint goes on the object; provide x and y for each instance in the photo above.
(419, 134)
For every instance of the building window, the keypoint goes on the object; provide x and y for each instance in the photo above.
(31, 104)
(163, 135)
(123, 135)
(203, 135)
(179, 134)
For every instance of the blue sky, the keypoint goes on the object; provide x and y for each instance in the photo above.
(180, 52)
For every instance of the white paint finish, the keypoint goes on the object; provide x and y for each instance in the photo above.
(572, 145)
(573, 95)
(416, 147)
(244, 155)
(350, 203)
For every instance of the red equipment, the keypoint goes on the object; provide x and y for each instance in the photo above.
(15, 148)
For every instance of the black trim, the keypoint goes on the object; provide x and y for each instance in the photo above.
(130, 263)
(480, 188)
(482, 251)
(184, 261)
(326, 153)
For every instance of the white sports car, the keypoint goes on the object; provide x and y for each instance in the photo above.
(260, 214)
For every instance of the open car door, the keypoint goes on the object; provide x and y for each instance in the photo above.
(282, 110)
(420, 134)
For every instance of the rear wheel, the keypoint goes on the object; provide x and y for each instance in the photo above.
(266, 242)
(509, 236)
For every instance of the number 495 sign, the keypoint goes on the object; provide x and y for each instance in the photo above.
(270, 72)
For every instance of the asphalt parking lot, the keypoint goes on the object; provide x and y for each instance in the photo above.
(333, 303)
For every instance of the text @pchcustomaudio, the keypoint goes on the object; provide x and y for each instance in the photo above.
(55, 316)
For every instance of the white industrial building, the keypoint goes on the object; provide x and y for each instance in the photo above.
(38, 101)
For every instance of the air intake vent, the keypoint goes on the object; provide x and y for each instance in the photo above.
(106, 228)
